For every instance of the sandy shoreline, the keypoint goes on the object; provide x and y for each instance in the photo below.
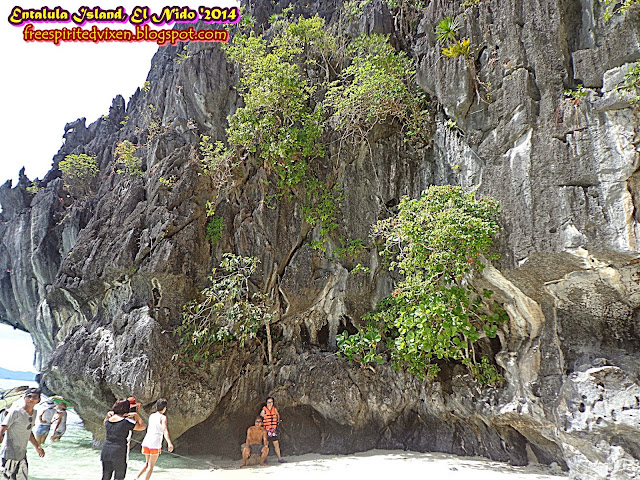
(372, 464)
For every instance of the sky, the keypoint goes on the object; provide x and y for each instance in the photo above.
(17, 350)
(45, 86)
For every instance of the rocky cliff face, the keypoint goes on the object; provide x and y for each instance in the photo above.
(100, 283)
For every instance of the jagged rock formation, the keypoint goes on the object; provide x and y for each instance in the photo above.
(100, 283)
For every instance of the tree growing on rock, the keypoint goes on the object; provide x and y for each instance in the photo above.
(78, 173)
(435, 243)
(224, 314)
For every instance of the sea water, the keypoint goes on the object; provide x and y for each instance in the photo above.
(75, 457)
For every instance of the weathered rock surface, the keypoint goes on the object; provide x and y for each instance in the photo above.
(99, 283)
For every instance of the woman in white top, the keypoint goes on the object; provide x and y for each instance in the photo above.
(152, 443)
(59, 422)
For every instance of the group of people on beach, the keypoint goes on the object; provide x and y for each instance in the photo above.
(264, 430)
(52, 418)
(19, 421)
(123, 419)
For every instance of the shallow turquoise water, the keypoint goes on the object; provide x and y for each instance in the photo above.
(74, 457)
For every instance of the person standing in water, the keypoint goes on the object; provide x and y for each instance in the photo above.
(43, 426)
(118, 424)
(59, 422)
(152, 443)
(271, 419)
(17, 424)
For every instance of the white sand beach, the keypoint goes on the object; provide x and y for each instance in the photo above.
(371, 464)
(74, 458)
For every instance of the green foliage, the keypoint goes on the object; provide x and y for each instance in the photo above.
(182, 56)
(447, 35)
(322, 208)
(277, 124)
(283, 117)
(146, 87)
(124, 154)
(434, 312)
(406, 13)
(125, 121)
(247, 21)
(447, 30)
(457, 49)
(577, 94)
(355, 8)
(470, 3)
(169, 182)
(451, 124)
(378, 86)
(362, 346)
(617, 6)
(360, 269)
(225, 313)
(78, 173)
(214, 229)
(33, 188)
(351, 249)
(632, 84)
(415, 4)
(217, 162)
(154, 124)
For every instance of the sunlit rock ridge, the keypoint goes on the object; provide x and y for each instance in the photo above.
(100, 283)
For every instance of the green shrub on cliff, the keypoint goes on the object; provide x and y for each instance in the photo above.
(277, 123)
(125, 155)
(617, 6)
(631, 84)
(214, 229)
(78, 173)
(447, 35)
(217, 162)
(299, 85)
(434, 312)
(377, 87)
(223, 314)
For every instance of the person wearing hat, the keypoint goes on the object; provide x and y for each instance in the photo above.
(119, 423)
(47, 410)
(17, 425)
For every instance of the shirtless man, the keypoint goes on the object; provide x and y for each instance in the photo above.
(256, 443)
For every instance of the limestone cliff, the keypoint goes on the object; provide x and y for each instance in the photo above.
(100, 283)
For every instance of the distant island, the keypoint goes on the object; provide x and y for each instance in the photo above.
(11, 375)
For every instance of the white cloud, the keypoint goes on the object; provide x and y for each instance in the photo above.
(46, 86)
(16, 350)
